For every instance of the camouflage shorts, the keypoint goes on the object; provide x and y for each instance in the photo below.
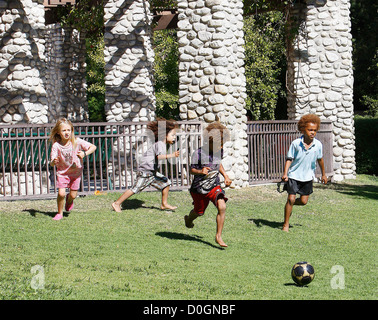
(145, 179)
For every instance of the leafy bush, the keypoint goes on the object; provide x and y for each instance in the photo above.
(265, 64)
(166, 73)
(95, 79)
(366, 131)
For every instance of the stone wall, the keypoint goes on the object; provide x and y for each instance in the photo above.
(211, 72)
(320, 75)
(129, 61)
(65, 74)
(22, 62)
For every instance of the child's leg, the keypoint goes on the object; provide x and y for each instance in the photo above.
(60, 202)
(69, 199)
(164, 200)
(117, 204)
(302, 201)
(288, 210)
(72, 196)
(291, 201)
(190, 218)
(221, 205)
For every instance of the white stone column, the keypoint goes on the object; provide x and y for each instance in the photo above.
(66, 74)
(22, 62)
(321, 75)
(211, 68)
(129, 61)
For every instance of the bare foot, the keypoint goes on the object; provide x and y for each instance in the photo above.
(116, 207)
(285, 228)
(218, 239)
(187, 224)
(168, 207)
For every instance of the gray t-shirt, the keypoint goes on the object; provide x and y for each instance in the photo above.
(149, 161)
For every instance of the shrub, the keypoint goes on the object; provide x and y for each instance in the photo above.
(366, 151)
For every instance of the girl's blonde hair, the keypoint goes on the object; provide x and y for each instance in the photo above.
(55, 132)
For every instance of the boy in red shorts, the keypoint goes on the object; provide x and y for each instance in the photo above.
(206, 166)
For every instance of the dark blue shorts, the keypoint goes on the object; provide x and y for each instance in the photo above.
(304, 188)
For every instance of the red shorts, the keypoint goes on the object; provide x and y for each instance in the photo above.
(201, 201)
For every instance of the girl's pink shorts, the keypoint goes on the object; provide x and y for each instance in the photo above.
(72, 183)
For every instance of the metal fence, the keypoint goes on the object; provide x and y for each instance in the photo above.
(269, 142)
(25, 154)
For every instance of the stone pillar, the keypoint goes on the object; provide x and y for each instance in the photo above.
(320, 77)
(65, 74)
(211, 69)
(129, 61)
(22, 67)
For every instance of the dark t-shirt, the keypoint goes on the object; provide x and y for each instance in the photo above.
(203, 158)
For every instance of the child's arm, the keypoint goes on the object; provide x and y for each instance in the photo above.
(321, 164)
(91, 149)
(54, 161)
(168, 156)
(286, 169)
(204, 171)
(54, 156)
(227, 180)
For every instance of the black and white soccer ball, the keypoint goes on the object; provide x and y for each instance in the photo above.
(302, 273)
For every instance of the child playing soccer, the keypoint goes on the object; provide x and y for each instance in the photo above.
(300, 165)
(165, 133)
(206, 166)
(67, 155)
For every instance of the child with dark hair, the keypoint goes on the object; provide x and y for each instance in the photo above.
(206, 166)
(300, 165)
(148, 169)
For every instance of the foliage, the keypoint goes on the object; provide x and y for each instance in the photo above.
(258, 6)
(88, 16)
(85, 15)
(365, 54)
(166, 73)
(95, 79)
(163, 4)
(371, 104)
(144, 253)
(366, 131)
(265, 63)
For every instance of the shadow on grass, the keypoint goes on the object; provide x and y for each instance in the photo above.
(262, 222)
(51, 214)
(272, 224)
(359, 190)
(182, 236)
(292, 284)
(362, 191)
(132, 204)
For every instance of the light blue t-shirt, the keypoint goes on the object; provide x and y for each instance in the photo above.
(304, 161)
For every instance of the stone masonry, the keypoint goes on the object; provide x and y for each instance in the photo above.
(211, 73)
(129, 61)
(22, 66)
(321, 76)
(65, 74)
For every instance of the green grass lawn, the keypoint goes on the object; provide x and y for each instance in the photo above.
(146, 253)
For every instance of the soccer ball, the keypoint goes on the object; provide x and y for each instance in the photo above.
(302, 273)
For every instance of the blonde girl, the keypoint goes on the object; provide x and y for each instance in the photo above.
(67, 155)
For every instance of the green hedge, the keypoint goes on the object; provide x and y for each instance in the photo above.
(366, 145)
